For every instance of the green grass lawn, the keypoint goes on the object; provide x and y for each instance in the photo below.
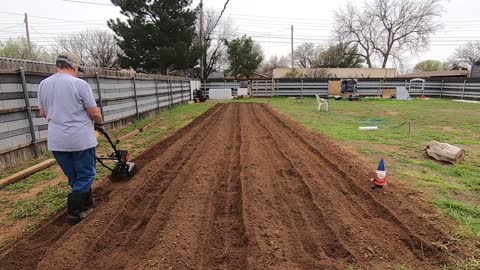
(454, 189)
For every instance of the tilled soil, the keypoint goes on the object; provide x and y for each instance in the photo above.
(241, 187)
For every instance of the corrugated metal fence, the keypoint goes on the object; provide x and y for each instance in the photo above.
(23, 132)
(454, 88)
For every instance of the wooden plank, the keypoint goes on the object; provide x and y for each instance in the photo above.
(25, 173)
(150, 125)
(3, 111)
(389, 93)
(128, 136)
(334, 88)
(137, 131)
(11, 149)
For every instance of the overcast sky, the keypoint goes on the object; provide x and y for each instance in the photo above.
(267, 21)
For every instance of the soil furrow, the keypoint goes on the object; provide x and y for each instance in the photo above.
(328, 242)
(241, 187)
(138, 215)
(116, 229)
(226, 240)
(27, 253)
(182, 229)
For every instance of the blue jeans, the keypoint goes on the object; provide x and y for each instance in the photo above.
(79, 167)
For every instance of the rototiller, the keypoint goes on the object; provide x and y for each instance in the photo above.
(123, 167)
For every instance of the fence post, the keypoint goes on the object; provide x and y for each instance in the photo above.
(156, 91)
(273, 88)
(170, 95)
(36, 151)
(99, 90)
(463, 90)
(277, 86)
(234, 86)
(181, 89)
(301, 91)
(190, 92)
(266, 88)
(380, 86)
(441, 88)
(252, 83)
(252, 88)
(135, 97)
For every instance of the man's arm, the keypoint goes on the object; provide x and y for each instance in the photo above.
(96, 115)
(42, 113)
(40, 101)
(90, 105)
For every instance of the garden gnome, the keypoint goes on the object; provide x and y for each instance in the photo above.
(380, 180)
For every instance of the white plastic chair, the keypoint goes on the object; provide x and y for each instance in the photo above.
(321, 103)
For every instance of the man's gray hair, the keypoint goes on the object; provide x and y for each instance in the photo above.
(63, 65)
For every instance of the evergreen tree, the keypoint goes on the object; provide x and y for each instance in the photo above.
(244, 56)
(157, 35)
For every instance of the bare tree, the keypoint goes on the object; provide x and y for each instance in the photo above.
(385, 29)
(468, 54)
(95, 48)
(102, 48)
(355, 27)
(339, 56)
(304, 55)
(18, 48)
(218, 29)
(273, 63)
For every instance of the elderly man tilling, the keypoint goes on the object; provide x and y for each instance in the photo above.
(72, 113)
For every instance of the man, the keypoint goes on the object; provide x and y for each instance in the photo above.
(72, 113)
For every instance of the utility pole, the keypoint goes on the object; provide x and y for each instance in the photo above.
(202, 42)
(292, 48)
(28, 37)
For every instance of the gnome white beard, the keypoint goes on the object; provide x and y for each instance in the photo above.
(381, 174)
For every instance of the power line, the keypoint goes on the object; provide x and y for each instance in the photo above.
(11, 27)
(272, 17)
(221, 14)
(90, 3)
(46, 18)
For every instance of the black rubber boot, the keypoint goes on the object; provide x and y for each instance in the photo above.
(75, 206)
(88, 205)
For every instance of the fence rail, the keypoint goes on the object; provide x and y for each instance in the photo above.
(452, 88)
(45, 67)
(23, 132)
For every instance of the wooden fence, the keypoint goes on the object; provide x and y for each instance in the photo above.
(44, 67)
(23, 132)
(442, 88)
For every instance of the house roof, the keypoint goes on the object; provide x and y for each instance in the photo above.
(442, 73)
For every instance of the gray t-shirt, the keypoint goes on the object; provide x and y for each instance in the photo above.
(65, 99)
